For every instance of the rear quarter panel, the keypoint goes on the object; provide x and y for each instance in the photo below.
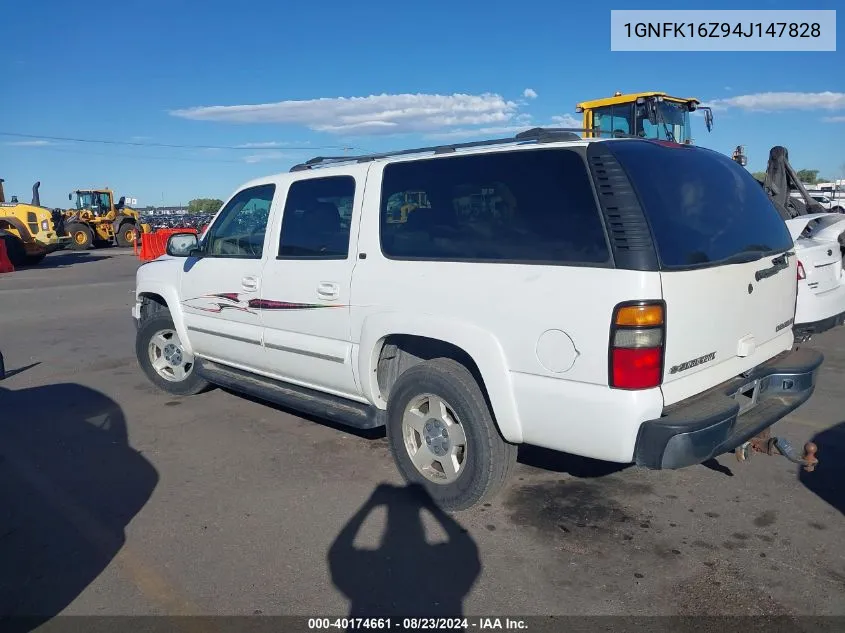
(550, 322)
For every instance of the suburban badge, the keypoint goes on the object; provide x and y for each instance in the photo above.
(783, 325)
(695, 362)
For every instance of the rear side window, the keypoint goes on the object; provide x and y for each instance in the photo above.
(703, 207)
(532, 206)
(316, 220)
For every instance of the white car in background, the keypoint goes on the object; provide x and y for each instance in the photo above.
(821, 282)
(834, 205)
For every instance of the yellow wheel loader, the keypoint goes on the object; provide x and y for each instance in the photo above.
(29, 231)
(98, 221)
(654, 115)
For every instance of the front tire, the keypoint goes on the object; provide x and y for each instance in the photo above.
(442, 435)
(81, 237)
(164, 359)
(125, 235)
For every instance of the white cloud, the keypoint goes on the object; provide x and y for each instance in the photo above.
(783, 101)
(38, 143)
(140, 138)
(529, 93)
(260, 145)
(521, 123)
(567, 120)
(263, 156)
(834, 119)
(491, 132)
(728, 88)
(372, 115)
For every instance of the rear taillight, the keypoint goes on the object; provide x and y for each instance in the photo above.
(801, 273)
(637, 338)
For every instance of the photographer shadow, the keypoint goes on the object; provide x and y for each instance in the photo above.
(70, 483)
(406, 576)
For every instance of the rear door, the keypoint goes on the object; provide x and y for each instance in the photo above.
(305, 293)
(728, 268)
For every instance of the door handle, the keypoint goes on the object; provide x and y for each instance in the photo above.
(250, 284)
(328, 290)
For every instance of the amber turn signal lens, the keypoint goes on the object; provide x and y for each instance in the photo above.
(642, 316)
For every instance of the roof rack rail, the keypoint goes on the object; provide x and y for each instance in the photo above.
(537, 135)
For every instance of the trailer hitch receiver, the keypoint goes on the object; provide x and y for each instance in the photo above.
(765, 443)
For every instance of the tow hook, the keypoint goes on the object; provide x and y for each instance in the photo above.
(765, 443)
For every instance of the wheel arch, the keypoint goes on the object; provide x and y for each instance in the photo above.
(168, 298)
(121, 220)
(10, 222)
(423, 337)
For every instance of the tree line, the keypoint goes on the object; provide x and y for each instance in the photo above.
(807, 176)
(204, 205)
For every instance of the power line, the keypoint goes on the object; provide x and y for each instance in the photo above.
(170, 145)
(141, 156)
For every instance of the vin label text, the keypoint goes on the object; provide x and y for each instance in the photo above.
(722, 30)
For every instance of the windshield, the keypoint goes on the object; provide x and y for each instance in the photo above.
(671, 122)
(92, 199)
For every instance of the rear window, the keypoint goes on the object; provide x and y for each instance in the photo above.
(703, 207)
(532, 206)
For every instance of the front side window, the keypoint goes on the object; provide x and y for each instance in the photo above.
(613, 119)
(532, 206)
(317, 217)
(240, 228)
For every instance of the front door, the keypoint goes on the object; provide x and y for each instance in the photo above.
(220, 288)
(305, 295)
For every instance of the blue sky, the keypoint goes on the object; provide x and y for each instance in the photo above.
(386, 74)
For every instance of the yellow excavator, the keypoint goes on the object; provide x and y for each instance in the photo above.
(98, 221)
(655, 115)
(29, 231)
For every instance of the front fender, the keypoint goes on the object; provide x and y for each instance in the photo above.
(160, 277)
(481, 345)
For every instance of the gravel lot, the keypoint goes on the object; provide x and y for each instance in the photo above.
(118, 499)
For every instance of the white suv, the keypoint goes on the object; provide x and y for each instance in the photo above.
(623, 299)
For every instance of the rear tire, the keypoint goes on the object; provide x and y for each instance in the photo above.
(163, 359)
(14, 249)
(486, 460)
(837, 210)
(125, 235)
(81, 237)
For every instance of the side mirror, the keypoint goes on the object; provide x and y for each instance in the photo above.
(182, 244)
(708, 118)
